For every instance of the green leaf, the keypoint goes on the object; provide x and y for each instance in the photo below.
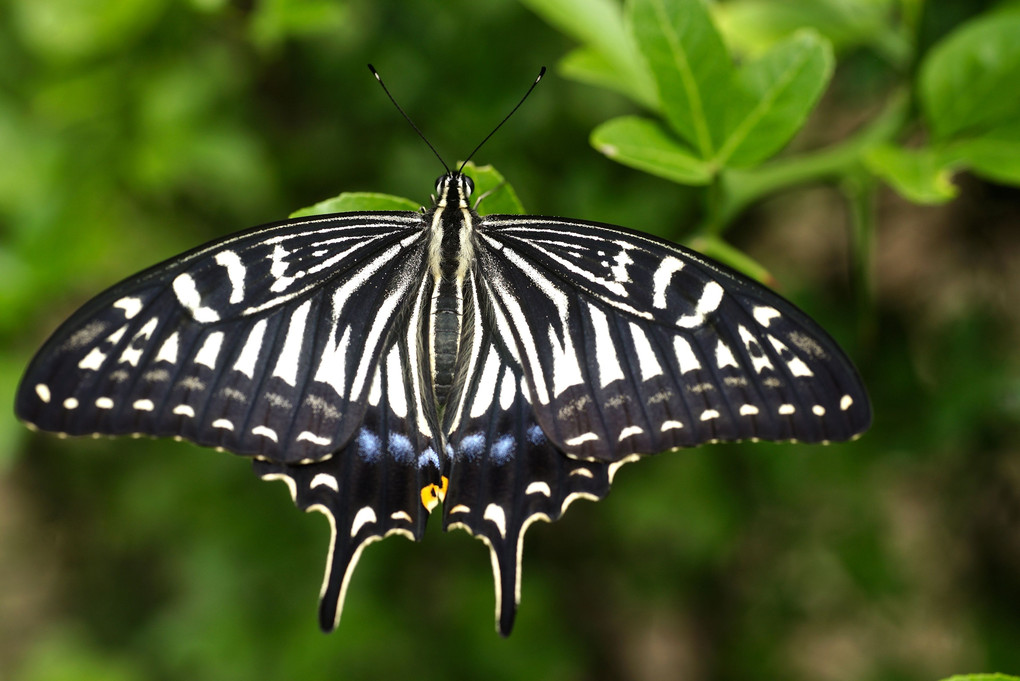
(587, 65)
(353, 201)
(692, 69)
(497, 196)
(598, 24)
(753, 26)
(785, 84)
(920, 175)
(994, 155)
(968, 81)
(645, 145)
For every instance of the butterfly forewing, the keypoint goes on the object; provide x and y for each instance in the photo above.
(262, 343)
(633, 345)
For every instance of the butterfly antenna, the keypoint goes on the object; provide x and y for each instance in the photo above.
(505, 119)
(408, 118)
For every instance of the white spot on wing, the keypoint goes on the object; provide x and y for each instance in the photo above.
(93, 360)
(184, 410)
(395, 394)
(538, 487)
(497, 516)
(786, 409)
(313, 438)
(660, 280)
(290, 355)
(630, 431)
(43, 391)
(403, 515)
(818, 410)
(709, 414)
(647, 362)
(223, 423)
(265, 431)
(375, 390)
(748, 410)
(131, 306)
(605, 348)
(710, 298)
(764, 314)
(104, 403)
(332, 369)
(670, 425)
(71, 403)
(724, 356)
(845, 402)
(799, 368)
(189, 298)
(685, 357)
(328, 480)
(144, 405)
(235, 272)
(250, 352)
(486, 385)
(583, 437)
(759, 360)
(210, 350)
(168, 351)
(619, 269)
(566, 370)
(507, 389)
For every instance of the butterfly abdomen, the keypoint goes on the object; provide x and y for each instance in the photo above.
(452, 226)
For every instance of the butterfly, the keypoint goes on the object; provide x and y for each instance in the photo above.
(382, 363)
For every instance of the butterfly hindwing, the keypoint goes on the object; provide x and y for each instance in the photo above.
(504, 473)
(386, 480)
(633, 345)
(261, 343)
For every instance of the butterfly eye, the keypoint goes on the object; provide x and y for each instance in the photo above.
(469, 186)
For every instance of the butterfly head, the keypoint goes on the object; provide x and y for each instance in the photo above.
(454, 189)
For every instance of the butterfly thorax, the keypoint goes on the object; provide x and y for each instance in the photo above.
(451, 224)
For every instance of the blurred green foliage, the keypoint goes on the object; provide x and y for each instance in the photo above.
(133, 130)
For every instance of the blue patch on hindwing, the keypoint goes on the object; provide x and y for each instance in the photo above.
(369, 445)
(400, 448)
(472, 445)
(503, 449)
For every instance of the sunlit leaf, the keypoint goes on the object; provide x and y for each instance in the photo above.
(645, 145)
(968, 82)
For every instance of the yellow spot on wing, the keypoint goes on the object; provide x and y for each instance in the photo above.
(432, 494)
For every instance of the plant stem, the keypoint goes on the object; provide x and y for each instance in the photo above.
(860, 190)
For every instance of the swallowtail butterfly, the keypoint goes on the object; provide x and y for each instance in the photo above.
(380, 363)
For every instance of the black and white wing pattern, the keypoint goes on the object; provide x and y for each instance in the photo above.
(263, 343)
(382, 363)
(505, 474)
(631, 345)
(385, 481)
(591, 345)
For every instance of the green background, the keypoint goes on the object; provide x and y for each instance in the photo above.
(131, 131)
